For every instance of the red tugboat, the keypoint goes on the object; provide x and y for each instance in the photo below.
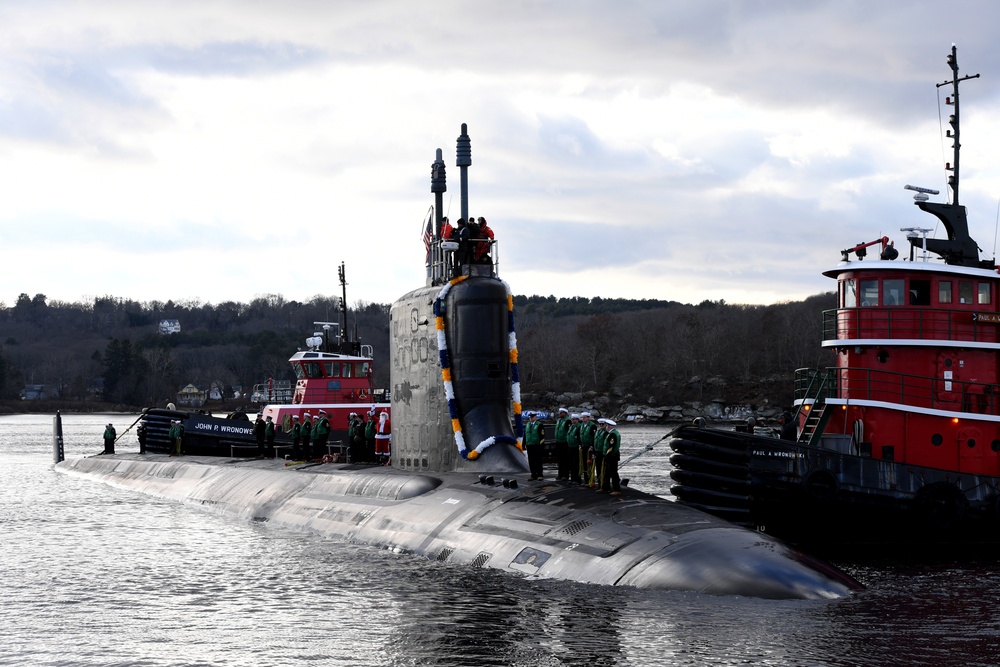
(334, 375)
(898, 441)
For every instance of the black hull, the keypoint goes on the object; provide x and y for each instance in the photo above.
(206, 435)
(831, 500)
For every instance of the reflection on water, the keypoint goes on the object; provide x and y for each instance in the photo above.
(98, 576)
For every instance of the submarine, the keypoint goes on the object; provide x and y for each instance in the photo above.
(457, 489)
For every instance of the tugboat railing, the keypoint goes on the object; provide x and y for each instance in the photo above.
(910, 323)
(917, 391)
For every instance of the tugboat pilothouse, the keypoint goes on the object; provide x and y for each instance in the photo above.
(898, 440)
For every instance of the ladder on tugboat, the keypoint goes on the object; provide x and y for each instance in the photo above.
(817, 413)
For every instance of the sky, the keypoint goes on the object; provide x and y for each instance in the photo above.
(212, 151)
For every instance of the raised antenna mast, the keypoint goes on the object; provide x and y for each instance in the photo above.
(953, 120)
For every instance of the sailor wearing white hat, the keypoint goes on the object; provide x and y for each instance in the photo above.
(612, 455)
(562, 444)
(573, 444)
(599, 437)
(306, 433)
(587, 430)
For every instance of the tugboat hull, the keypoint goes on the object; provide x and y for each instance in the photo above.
(820, 497)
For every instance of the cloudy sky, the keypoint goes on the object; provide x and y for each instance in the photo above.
(664, 149)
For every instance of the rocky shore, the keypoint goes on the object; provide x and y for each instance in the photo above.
(626, 409)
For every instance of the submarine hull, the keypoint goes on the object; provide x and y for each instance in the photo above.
(542, 529)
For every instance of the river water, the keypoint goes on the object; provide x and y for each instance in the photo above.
(94, 575)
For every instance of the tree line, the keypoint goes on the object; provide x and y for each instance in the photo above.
(657, 352)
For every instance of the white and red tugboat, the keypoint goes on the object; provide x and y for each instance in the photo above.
(335, 375)
(899, 440)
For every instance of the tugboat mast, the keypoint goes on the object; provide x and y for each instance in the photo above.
(953, 120)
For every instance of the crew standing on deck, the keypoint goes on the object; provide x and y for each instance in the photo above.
(109, 439)
(573, 448)
(562, 448)
(269, 434)
(383, 438)
(176, 436)
(306, 432)
(296, 434)
(612, 455)
(355, 437)
(320, 435)
(370, 429)
(534, 442)
(485, 243)
(259, 428)
(140, 433)
(587, 431)
(599, 436)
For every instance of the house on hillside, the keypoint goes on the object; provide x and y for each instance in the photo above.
(170, 326)
(38, 392)
(191, 397)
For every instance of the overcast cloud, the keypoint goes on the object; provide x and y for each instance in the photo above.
(674, 150)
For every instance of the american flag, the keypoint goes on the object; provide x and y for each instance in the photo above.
(428, 234)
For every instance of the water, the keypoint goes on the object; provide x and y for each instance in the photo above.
(93, 575)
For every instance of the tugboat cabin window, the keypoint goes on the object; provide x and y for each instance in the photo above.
(893, 291)
(332, 369)
(362, 369)
(313, 369)
(984, 293)
(869, 293)
(920, 292)
(849, 295)
(965, 291)
(347, 370)
(944, 291)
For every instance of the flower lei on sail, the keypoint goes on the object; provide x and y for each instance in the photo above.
(449, 389)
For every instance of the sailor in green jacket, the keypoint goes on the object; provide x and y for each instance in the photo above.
(534, 441)
(574, 449)
(612, 455)
(587, 430)
(109, 439)
(562, 446)
(599, 436)
(176, 435)
(320, 434)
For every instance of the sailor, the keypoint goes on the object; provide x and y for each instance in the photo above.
(320, 435)
(587, 430)
(370, 429)
(296, 434)
(485, 243)
(446, 229)
(259, 431)
(573, 448)
(269, 434)
(612, 455)
(355, 436)
(534, 441)
(562, 450)
(599, 436)
(383, 438)
(465, 234)
(109, 439)
(306, 432)
(788, 429)
(140, 433)
(176, 436)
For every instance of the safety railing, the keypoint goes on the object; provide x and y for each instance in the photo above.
(900, 388)
(915, 323)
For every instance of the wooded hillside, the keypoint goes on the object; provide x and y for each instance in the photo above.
(652, 351)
